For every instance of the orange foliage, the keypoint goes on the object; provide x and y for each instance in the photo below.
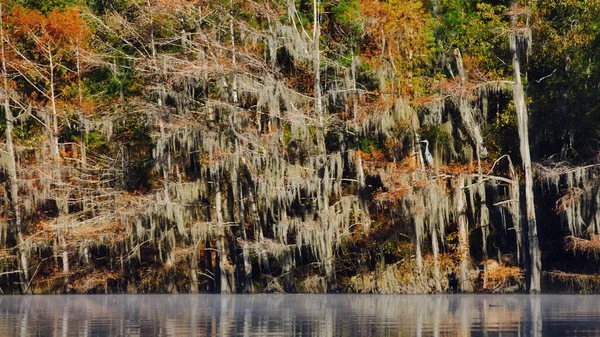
(115, 229)
(93, 281)
(471, 168)
(47, 51)
(60, 31)
(500, 276)
(400, 178)
(397, 187)
(376, 157)
(397, 30)
(373, 102)
(591, 248)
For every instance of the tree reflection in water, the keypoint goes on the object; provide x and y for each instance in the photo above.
(301, 315)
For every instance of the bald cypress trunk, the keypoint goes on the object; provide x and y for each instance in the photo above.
(236, 188)
(467, 113)
(54, 124)
(464, 283)
(56, 156)
(248, 285)
(13, 189)
(418, 240)
(317, 77)
(11, 169)
(224, 264)
(533, 263)
(436, 263)
(194, 272)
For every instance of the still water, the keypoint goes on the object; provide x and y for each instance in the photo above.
(300, 315)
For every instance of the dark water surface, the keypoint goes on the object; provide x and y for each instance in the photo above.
(300, 315)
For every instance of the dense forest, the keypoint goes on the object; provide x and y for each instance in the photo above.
(243, 146)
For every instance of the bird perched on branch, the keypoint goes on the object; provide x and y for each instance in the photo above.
(427, 155)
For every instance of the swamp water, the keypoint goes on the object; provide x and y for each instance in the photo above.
(300, 315)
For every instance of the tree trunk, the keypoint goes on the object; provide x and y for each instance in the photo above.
(468, 118)
(54, 126)
(258, 232)
(194, 284)
(224, 264)
(362, 194)
(514, 209)
(464, 283)
(55, 156)
(234, 87)
(82, 128)
(466, 110)
(418, 240)
(11, 170)
(65, 261)
(436, 262)
(248, 286)
(236, 187)
(14, 196)
(360, 172)
(534, 264)
(317, 78)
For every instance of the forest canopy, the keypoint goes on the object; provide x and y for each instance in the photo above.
(369, 146)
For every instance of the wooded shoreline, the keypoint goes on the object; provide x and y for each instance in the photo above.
(185, 146)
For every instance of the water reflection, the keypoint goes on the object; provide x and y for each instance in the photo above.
(300, 315)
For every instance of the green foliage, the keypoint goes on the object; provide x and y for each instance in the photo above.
(95, 140)
(106, 84)
(102, 6)
(347, 12)
(132, 133)
(346, 18)
(565, 105)
(47, 6)
(365, 144)
(436, 134)
(366, 78)
(26, 133)
(344, 31)
(501, 134)
(477, 29)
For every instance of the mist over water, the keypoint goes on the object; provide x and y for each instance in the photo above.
(300, 315)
